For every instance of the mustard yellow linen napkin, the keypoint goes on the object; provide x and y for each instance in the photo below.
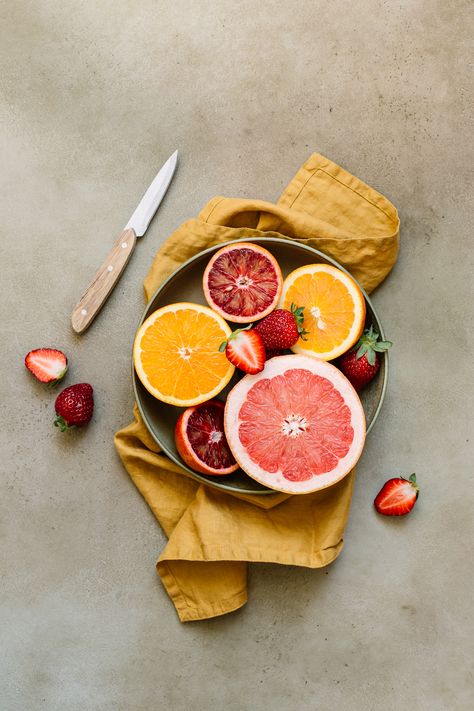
(212, 535)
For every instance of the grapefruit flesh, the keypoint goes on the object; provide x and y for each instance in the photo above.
(298, 426)
(242, 282)
(201, 441)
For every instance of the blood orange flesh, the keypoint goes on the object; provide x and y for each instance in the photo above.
(298, 426)
(242, 282)
(201, 441)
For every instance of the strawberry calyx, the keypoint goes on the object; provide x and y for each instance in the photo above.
(60, 376)
(369, 345)
(412, 480)
(297, 312)
(62, 424)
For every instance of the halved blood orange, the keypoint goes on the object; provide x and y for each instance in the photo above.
(176, 354)
(298, 426)
(334, 309)
(200, 439)
(242, 282)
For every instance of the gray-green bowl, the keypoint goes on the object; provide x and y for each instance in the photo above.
(185, 284)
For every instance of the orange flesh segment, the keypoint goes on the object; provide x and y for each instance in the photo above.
(179, 355)
(334, 309)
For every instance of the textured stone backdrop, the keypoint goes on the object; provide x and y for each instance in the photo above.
(94, 97)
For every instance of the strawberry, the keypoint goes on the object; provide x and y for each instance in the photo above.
(361, 364)
(282, 328)
(397, 496)
(271, 352)
(74, 406)
(245, 350)
(47, 364)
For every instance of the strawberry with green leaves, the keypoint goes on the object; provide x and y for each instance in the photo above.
(361, 364)
(397, 496)
(282, 328)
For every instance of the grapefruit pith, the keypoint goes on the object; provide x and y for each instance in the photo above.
(242, 282)
(298, 426)
(201, 441)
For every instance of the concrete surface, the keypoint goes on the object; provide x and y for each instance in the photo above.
(95, 96)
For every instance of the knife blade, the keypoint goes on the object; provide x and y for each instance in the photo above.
(113, 266)
(149, 203)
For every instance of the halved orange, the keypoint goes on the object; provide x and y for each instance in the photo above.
(176, 354)
(334, 309)
(242, 282)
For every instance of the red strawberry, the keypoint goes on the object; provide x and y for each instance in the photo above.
(47, 364)
(74, 406)
(273, 352)
(361, 364)
(282, 328)
(397, 496)
(245, 350)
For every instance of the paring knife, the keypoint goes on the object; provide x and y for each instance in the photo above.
(109, 273)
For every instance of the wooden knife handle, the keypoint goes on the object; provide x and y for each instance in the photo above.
(104, 281)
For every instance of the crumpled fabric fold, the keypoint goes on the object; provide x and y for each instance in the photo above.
(213, 535)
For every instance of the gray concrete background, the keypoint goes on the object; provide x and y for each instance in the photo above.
(95, 96)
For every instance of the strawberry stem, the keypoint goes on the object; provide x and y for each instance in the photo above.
(297, 312)
(412, 480)
(62, 424)
(61, 375)
(369, 345)
(235, 333)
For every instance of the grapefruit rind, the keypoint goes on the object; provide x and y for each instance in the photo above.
(233, 318)
(276, 481)
(302, 347)
(169, 399)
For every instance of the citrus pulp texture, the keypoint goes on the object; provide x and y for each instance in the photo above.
(334, 309)
(176, 354)
(242, 282)
(201, 441)
(297, 426)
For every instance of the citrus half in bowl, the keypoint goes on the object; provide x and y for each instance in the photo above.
(297, 426)
(334, 309)
(242, 282)
(201, 441)
(176, 354)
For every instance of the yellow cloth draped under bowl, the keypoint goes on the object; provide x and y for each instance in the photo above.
(212, 535)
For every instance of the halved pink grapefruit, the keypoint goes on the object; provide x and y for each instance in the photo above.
(201, 441)
(297, 426)
(242, 282)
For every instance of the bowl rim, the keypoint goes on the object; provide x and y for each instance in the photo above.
(221, 484)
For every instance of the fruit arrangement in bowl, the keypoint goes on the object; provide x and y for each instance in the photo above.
(259, 366)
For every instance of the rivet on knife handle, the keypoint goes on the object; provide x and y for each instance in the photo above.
(104, 281)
